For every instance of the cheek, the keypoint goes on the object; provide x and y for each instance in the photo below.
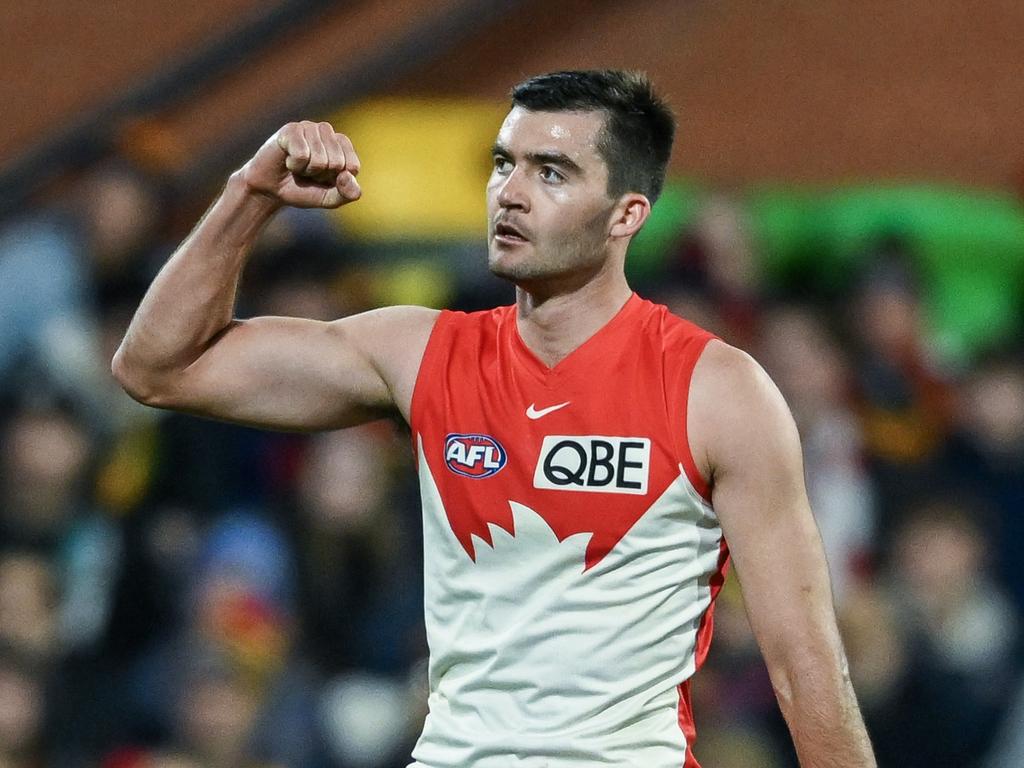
(561, 206)
(578, 220)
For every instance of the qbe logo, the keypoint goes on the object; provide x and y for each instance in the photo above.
(593, 463)
(474, 455)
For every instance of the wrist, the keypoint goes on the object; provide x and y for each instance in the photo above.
(241, 190)
(238, 215)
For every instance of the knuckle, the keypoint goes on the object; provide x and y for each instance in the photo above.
(285, 134)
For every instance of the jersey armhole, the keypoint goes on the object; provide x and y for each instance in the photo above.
(686, 458)
(430, 367)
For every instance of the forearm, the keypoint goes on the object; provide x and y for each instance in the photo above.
(192, 299)
(821, 710)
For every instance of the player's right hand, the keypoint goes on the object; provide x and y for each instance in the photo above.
(306, 165)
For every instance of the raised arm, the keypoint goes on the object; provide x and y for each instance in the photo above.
(183, 350)
(745, 437)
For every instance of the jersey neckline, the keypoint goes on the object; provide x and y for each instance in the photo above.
(580, 354)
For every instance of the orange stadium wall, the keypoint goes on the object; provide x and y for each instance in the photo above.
(823, 91)
(829, 90)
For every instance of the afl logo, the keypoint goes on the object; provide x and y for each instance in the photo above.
(474, 456)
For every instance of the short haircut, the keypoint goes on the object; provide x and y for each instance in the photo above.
(636, 140)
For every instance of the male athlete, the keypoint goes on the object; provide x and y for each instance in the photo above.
(580, 453)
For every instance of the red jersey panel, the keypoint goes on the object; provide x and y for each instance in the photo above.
(571, 551)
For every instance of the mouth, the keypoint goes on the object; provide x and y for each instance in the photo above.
(509, 235)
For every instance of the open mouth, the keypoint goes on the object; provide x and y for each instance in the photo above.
(508, 234)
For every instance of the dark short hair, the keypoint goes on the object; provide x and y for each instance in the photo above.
(637, 137)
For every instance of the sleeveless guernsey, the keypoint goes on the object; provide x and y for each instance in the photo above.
(571, 552)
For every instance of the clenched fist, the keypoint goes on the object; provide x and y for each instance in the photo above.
(306, 165)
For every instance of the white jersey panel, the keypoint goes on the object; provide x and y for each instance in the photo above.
(536, 661)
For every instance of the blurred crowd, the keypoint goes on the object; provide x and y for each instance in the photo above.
(179, 592)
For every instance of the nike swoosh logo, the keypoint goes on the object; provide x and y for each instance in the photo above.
(533, 413)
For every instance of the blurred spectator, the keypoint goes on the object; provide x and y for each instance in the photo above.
(45, 507)
(228, 688)
(962, 635)
(60, 268)
(160, 557)
(45, 303)
(905, 401)
(370, 720)
(297, 269)
(29, 600)
(1008, 749)
(986, 456)
(717, 259)
(695, 306)
(218, 717)
(22, 712)
(814, 375)
(122, 214)
(363, 598)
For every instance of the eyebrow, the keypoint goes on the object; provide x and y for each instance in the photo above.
(541, 158)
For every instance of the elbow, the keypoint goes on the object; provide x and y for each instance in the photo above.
(141, 385)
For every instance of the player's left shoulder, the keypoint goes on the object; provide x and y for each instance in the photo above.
(731, 379)
(735, 409)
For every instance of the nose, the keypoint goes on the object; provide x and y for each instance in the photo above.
(512, 191)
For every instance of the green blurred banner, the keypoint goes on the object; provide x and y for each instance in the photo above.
(967, 247)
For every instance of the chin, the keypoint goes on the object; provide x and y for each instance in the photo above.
(503, 265)
(503, 271)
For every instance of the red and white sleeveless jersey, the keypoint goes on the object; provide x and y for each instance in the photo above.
(571, 552)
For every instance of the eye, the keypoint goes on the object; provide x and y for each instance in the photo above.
(502, 164)
(551, 174)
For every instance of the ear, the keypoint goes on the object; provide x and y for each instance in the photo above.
(629, 215)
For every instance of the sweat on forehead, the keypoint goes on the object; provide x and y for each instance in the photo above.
(545, 138)
(582, 129)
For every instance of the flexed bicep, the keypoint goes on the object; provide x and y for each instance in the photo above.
(184, 350)
(297, 374)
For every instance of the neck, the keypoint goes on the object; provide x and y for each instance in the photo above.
(555, 320)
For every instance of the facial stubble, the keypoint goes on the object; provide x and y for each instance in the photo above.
(580, 250)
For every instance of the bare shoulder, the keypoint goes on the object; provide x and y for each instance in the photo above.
(736, 414)
(392, 340)
(392, 322)
(731, 379)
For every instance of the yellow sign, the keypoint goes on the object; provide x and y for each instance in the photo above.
(425, 164)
